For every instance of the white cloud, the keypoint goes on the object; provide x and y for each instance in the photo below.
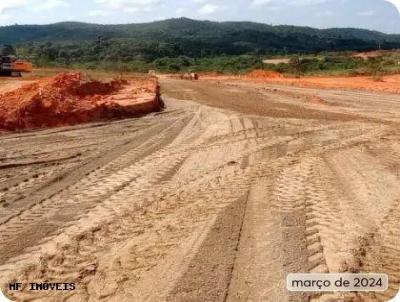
(395, 3)
(261, 2)
(131, 9)
(208, 9)
(287, 2)
(6, 18)
(48, 5)
(32, 5)
(98, 13)
(6, 5)
(304, 2)
(367, 13)
(180, 10)
(326, 13)
(129, 6)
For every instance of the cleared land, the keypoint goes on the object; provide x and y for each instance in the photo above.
(276, 61)
(388, 83)
(217, 198)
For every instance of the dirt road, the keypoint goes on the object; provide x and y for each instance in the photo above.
(217, 198)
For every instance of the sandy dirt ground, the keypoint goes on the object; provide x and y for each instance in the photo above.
(389, 83)
(384, 83)
(10, 84)
(216, 198)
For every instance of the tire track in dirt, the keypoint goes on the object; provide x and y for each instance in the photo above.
(379, 251)
(362, 209)
(239, 184)
(311, 189)
(164, 220)
(297, 199)
(56, 181)
(128, 233)
(210, 271)
(104, 140)
(46, 213)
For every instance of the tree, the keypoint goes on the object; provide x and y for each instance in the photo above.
(7, 50)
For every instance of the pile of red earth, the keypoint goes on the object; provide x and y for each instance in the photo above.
(69, 98)
(263, 74)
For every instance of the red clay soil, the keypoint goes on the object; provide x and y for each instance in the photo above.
(385, 83)
(388, 83)
(69, 98)
(263, 74)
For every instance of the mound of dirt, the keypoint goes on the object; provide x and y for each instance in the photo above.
(70, 98)
(263, 74)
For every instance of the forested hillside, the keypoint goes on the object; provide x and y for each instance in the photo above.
(184, 40)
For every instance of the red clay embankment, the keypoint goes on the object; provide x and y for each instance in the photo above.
(71, 98)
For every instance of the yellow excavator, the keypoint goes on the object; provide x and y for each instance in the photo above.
(11, 66)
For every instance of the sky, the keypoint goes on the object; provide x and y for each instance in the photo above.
(382, 15)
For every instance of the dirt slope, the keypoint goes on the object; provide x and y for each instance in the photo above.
(71, 98)
(215, 199)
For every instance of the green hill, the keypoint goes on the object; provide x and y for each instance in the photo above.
(214, 37)
(176, 44)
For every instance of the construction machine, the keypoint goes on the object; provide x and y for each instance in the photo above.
(12, 66)
(190, 76)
